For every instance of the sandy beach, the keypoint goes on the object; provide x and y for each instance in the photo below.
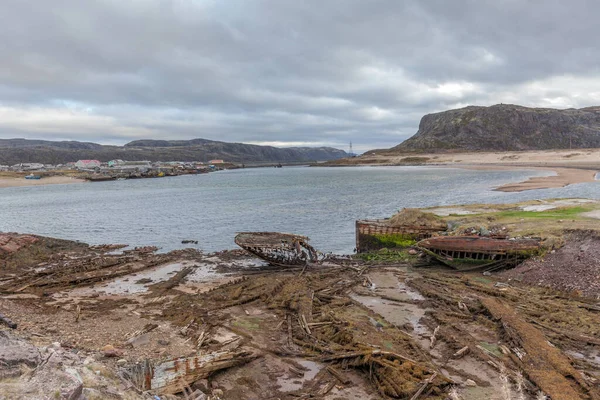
(51, 180)
(569, 166)
(561, 177)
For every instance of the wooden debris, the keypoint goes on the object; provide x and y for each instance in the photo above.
(460, 353)
(296, 371)
(78, 313)
(433, 337)
(305, 324)
(543, 363)
(169, 377)
(422, 388)
(338, 375)
(326, 389)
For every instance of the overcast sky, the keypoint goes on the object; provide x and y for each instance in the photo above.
(284, 73)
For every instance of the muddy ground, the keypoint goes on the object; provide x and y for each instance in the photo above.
(134, 324)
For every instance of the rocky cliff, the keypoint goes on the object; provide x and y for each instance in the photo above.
(13, 151)
(505, 127)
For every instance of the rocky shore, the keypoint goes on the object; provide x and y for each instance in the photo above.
(98, 322)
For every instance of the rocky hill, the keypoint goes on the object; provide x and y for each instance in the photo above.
(505, 127)
(13, 151)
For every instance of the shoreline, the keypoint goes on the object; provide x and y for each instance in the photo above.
(565, 176)
(570, 166)
(51, 180)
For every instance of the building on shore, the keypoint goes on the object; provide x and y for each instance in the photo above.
(216, 162)
(115, 163)
(87, 164)
(28, 167)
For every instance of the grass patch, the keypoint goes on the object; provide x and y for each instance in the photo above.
(248, 323)
(387, 255)
(414, 160)
(557, 213)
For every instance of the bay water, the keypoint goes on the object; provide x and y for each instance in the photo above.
(322, 203)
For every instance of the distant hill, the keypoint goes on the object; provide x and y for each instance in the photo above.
(505, 127)
(14, 151)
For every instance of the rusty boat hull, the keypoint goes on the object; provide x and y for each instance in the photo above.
(466, 253)
(281, 249)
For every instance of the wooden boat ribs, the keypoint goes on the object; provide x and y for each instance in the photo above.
(283, 249)
(475, 252)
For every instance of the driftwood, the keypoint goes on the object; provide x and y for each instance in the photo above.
(168, 377)
(366, 353)
(542, 362)
(433, 337)
(422, 388)
(461, 352)
(326, 389)
(338, 375)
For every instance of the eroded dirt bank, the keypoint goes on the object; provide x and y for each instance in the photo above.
(107, 322)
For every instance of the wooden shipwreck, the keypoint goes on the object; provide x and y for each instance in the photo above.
(283, 249)
(466, 253)
(375, 234)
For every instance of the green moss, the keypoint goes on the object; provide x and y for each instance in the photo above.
(395, 240)
(387, 255)
(248, 323)
(492, 348)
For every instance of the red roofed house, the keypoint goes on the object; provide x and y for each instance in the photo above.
(87, 164)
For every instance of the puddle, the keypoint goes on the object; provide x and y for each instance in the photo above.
(410, 293)
(399, 312)
(291, 383)
(395, 313)
(539, 207)
(127, 284)
(202, 273)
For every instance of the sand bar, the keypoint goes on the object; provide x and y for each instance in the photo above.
(569, 166)
(562, 177)
(51, 180)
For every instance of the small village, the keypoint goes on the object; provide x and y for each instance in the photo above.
(95, 170)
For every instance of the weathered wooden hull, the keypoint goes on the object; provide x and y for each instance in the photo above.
(466, 253)
(172, 376)
(375, 234)
(282, 249)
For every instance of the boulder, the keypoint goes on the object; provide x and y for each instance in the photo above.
(15, 351)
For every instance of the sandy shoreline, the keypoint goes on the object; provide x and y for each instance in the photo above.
(570, 166)
(51, 180)
(563, 177)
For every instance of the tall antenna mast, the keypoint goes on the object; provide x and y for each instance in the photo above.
(350, 151)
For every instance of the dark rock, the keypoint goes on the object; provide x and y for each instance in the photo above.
(505, 127)
(15, 351)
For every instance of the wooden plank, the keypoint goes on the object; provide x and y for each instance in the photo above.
(543, 363)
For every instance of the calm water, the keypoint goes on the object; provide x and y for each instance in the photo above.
(322, 203)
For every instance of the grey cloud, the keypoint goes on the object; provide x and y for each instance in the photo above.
(283, 71)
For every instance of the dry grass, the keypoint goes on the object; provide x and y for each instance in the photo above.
(416, 217)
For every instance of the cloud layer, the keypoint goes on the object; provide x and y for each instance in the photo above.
(283, 72)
